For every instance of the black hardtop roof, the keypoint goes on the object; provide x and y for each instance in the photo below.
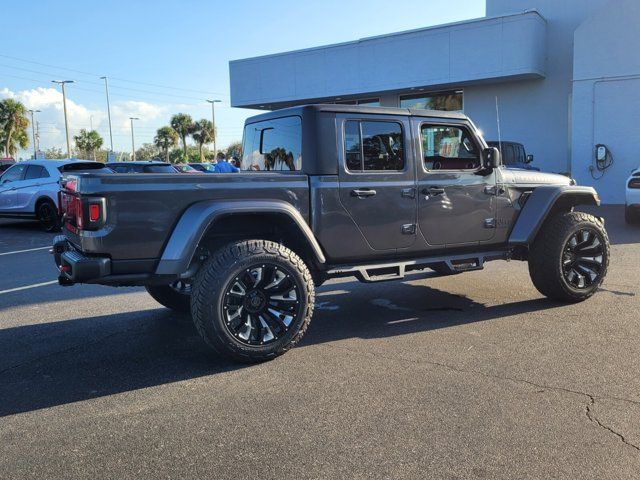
(355, 109)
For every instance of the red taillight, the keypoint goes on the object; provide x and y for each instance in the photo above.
(634, 183)
(94, 212)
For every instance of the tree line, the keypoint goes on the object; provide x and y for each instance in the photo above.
(14, 136)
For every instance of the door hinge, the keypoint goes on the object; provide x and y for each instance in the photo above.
(408, 193)
(493, 190)
(408, 228)
(489, 223)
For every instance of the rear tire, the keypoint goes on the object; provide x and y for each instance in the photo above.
(570, 256)
(176, 296)
(47, 215)
(253, 300)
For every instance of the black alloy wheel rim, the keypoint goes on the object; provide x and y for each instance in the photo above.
(261, 304)
(583, 259)
(46, 215)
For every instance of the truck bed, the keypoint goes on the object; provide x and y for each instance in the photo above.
(146, 207)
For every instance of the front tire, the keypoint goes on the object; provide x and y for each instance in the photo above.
(630, 215)
(176, 296)
(253, 300)
(570, 256)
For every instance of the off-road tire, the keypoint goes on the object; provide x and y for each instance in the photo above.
(47, 215)
(170, 298)
(215, 277)
(547, 253)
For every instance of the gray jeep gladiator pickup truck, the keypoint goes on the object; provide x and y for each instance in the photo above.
(326, 191)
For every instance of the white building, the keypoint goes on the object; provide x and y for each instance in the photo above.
(566, 75)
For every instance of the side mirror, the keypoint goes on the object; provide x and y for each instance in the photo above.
(529, 158)
(491, 158)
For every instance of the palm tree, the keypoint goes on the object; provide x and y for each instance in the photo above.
(183, 125)
(203, 133)
(13, 126)
(88, 142)
(166, 137)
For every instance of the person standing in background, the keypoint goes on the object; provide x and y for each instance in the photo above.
(222, 166)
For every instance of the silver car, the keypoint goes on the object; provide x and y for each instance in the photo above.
(29, 190)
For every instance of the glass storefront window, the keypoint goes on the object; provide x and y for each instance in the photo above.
(448, 101)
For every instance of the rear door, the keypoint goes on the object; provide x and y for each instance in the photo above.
(36, 181)
(9, 183)
(456, 198)
(377, 179)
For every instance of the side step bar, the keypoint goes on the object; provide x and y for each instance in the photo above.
(382, 272)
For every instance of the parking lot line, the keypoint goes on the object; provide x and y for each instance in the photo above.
(26, 287)
(24, 251)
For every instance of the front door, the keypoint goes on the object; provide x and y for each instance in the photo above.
(456, 197)
(377, 180)
(9, 183)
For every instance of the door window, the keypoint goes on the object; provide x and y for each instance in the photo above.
(36, 171)
(14, 174)
(446, 147)
(373, 146)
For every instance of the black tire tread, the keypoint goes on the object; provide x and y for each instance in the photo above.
(547, 249)
(214, 273)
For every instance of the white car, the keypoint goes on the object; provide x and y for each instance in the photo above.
(632, 203)
(29, 189)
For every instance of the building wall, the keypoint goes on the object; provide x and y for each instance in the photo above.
(536, 112)
(606, 96)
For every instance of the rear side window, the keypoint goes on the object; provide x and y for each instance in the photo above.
(373, 146)
(36, 171)
(273, 145)
(14, 174)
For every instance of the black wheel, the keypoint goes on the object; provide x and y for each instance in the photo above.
(47, 215)
(569, 258)
(630, 215)
(176, 296)
(253, 300)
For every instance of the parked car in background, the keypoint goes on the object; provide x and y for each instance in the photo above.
(632, 199)
(184, 168)
(146, 166)
(5, 163)
(29, 190)
(514, 155)
(204, 167)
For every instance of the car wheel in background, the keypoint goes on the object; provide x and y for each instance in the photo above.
(47, 215)
(630, 215)
(176, 296)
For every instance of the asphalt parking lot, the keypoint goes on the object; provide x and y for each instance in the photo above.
(470, 376)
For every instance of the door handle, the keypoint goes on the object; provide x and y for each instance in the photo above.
(433, 191)
(364, 193)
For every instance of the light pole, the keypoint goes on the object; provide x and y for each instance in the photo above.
(133, 142)
(64, 104)
(106, 88)
(33, 132)
(213, 121)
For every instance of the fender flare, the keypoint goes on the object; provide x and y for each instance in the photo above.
(541, 202)
(198, 218)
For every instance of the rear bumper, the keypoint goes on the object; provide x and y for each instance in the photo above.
(75, 267)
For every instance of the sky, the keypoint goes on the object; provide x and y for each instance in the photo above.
(164, 57)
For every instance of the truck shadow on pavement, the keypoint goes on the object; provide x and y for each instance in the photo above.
(45, 365)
